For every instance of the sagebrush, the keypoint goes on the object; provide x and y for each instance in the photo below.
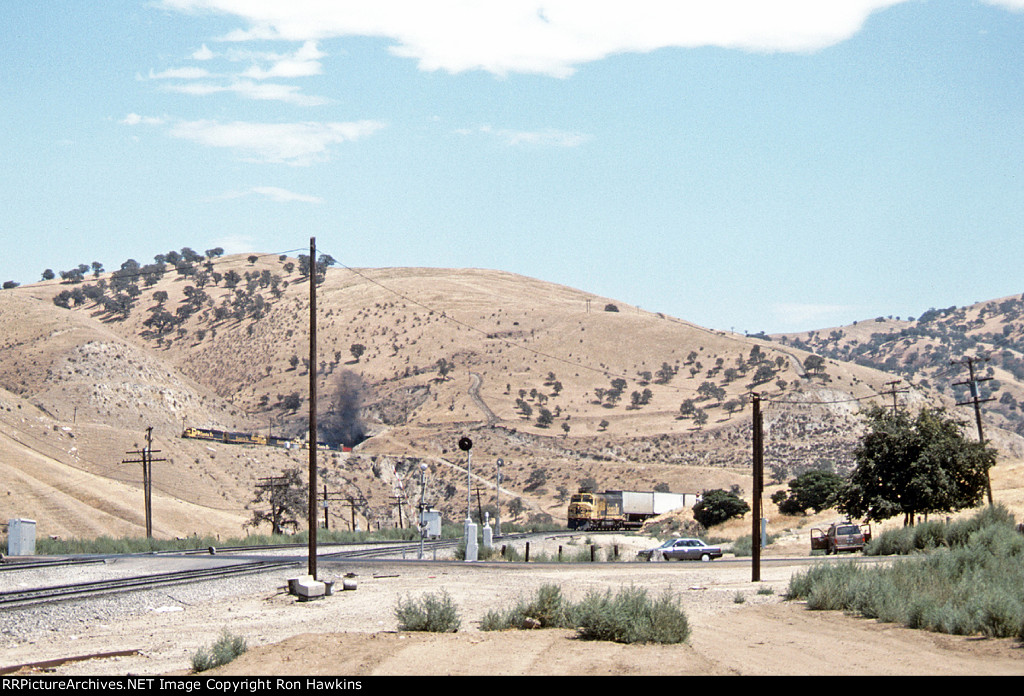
(628, 616)
(433, 612)
(226, 649)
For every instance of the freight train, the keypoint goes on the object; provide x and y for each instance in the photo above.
(621, 509)
(236, 438)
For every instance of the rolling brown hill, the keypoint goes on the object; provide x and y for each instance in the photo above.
(929, 352)
(563, 385)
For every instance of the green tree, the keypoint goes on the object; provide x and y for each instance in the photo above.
(913, 465)
(815, 489)
(357, 350)
(815, 364)
(544, 418)
(288, 498)
(717, 506)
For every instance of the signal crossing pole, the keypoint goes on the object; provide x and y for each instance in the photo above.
(977, 401)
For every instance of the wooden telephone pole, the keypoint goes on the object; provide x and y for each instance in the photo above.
(312, 406)
(758, 480)
(147, 476)
(893, 391)
(977, 401)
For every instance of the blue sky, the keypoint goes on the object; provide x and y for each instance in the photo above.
(748, 165)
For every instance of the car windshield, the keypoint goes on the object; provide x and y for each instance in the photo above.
(668, 543)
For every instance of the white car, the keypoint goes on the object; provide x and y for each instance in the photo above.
(682, 550)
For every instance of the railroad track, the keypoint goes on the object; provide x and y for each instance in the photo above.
(9, 564)
(53, 593)
(42, 595)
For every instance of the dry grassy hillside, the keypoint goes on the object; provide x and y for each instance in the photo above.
(929, 352)
(562, 385)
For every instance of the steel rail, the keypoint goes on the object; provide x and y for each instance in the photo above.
(8, 564)
(37, 595)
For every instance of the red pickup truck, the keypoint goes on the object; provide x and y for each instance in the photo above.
(841, 536)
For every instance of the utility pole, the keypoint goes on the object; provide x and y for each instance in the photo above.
(399, 500)
(758, 456)
(894, 391)
(273, 483)
(312, 406)
(977, 401)
(497, 496)
(147, 476)
(479, 505)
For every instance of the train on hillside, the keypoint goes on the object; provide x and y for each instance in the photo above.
(237, 438)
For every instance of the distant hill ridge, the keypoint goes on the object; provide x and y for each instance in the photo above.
(561, 384)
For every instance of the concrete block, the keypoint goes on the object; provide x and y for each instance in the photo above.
(305, 587)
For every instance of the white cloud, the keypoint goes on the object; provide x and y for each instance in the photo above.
(203, 53)
(285, 196)
(549, 37)
(263, 91)
(235, 244)
(1012, 5)
(549, 137)
(797, 316)
(303, 63)
(135, 119)
(297, 144)
(180, 74)
(251, 83)
(274, 193)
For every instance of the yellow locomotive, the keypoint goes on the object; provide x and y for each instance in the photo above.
(621, 509)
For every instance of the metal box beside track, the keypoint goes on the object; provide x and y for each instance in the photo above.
(21, 537)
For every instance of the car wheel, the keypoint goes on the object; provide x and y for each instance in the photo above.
(666, 557)
(705, 557)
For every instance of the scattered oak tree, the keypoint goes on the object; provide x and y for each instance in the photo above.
(914, 465)
(288, 500)
(717, 506)
(814, 489)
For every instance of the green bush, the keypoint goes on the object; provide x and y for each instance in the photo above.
(226, 649)
(929, 535)
(548, 609)
(967, 585)
(717, 506)
(630, 616)
(743, 546)
(432, 612)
